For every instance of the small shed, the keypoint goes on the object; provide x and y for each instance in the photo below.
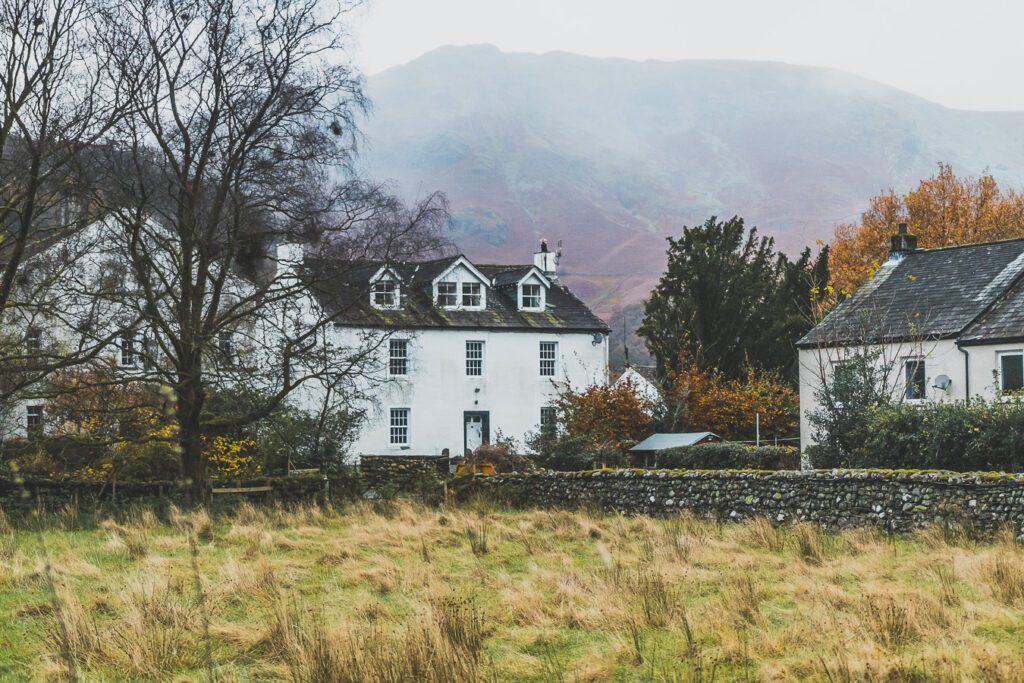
(644, 454)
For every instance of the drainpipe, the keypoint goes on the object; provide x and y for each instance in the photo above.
(967, 372)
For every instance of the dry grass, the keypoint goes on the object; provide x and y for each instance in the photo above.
(401, 592)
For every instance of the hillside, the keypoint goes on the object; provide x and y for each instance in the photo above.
(612, 155)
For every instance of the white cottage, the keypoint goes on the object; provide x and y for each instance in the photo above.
(472, 350)
(943, 324)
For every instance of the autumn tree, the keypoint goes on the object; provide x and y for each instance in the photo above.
(944, 210)
(730, 302)
(700, 399)
(595, 424)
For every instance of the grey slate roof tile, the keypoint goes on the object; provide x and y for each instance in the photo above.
(349, 294)
(930, 294)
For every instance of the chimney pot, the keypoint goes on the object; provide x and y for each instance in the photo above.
(902, 243)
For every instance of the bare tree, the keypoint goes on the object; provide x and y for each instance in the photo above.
(52, 115)
(239, 140)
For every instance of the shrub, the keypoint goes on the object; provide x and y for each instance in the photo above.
(729, 456)
(501, 457)
(572, 453)
(975, 436)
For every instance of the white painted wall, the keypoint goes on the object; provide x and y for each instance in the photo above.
(438, 391)
(942, 357)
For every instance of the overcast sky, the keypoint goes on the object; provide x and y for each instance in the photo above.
(967, 54)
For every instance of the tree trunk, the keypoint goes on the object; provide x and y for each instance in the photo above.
(193, 471)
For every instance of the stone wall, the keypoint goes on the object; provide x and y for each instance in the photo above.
(896, 500)
(402, 473)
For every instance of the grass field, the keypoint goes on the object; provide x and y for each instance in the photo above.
(400, 592)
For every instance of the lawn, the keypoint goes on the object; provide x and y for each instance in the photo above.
(402, 592)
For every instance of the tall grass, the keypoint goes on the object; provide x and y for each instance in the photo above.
(466, 594)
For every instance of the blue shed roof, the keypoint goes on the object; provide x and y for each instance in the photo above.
(658, 442)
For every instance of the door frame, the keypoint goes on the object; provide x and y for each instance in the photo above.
(485, 429)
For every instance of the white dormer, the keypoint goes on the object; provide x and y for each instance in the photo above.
(461, 287)
(386, 289)
(532, 291)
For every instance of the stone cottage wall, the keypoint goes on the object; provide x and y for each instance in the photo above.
(895, 500)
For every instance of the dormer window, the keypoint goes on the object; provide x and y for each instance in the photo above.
(384, 294)
(447, 294)
(532, 298)
(471, 295)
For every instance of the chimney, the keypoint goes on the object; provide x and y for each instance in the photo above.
(547, 260)
(902, 243)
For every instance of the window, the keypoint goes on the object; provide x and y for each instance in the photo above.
(34, 419)
(1011, 371)
(129, 354)
(531, 296)
(474, 358)
(548, 418)
(548, 356)
(398, 357)
(33, 340)
(447, 294)
(385, 294)
(915, 374)
(226, 346)
(399, 433)
(471, 294)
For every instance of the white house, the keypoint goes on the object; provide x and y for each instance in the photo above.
(471, 351)
(942, 325)
(462, 351)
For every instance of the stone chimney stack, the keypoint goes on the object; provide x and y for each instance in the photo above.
(902, 243)
(547, 260)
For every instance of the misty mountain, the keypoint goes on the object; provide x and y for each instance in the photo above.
(612, 155)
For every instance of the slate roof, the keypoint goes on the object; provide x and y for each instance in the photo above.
(932, 294)
(658, 442)
(1003, 322)
(348, 292)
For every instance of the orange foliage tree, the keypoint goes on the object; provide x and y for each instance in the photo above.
(606, 416)
(944, 210)
(700, 399)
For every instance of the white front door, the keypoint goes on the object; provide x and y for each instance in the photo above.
(474, 432)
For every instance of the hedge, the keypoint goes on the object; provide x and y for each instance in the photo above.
(729, 456)
(968, 437)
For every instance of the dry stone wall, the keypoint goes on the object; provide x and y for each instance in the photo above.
(893, 499)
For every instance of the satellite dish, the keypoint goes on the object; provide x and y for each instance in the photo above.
(942, 382)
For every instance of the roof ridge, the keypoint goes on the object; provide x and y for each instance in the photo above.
(950, 247)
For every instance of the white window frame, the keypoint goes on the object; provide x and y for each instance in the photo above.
(128, 351)
(453, 302)
(395, 294)
(226, 348)
(1000, 355)
(33, 340)
(394, 345)
(475, 357)
(34, 418)
(552, 420)
(469, 284)
(545, 349)
(394, 413)
(923, 363)
(539, 297)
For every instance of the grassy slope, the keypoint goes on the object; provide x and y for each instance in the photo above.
(556, 596)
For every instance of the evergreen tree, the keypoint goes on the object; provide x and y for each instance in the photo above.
(731, 302)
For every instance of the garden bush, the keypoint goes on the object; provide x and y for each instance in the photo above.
(975, 436)
(729, 456)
